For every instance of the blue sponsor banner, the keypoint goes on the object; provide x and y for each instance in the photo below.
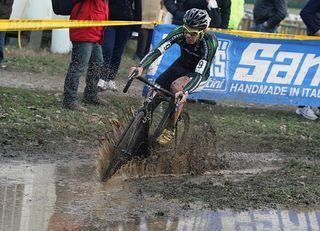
(255, 70)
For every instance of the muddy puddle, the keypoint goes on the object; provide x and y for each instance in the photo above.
(67, 196)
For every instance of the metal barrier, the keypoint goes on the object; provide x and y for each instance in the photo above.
(287, 26)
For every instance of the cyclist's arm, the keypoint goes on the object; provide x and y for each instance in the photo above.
(202, 71)
(163, 46)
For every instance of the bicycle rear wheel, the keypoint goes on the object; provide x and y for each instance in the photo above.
(161, 113)
(132, 141)
(160, 120)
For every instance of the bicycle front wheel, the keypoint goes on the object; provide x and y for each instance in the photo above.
(118, 159)
(134, 137)
(132, 141)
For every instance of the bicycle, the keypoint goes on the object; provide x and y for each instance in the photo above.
(146, 126)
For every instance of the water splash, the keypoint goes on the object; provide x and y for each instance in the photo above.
(195, 156)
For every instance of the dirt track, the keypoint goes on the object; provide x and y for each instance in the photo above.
(148, 188)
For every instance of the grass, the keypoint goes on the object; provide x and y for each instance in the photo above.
(39, 115)
(29, 60)
(42, 61)
(247, 128)
(255, 129)
(239, 128)
(30, 116)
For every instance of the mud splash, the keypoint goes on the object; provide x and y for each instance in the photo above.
(196, 155)
(106, 149)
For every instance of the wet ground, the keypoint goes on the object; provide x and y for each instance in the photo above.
(60, 191)
(67, 196)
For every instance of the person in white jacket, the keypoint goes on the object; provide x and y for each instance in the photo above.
(151, 12)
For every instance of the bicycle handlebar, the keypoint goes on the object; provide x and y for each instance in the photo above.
(144, 80)
(166, 92)
(131, 78)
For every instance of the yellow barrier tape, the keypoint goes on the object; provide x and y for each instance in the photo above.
(29, 25)
(254, 34)
(19, 39)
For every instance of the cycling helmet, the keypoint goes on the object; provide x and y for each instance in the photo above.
(196, 19)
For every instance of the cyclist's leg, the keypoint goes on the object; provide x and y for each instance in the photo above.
(169, 132)
(168, 77)
(175, 87)
(165, 80)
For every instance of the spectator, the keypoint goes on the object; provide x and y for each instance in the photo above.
(151, 11)
(218, 10)
(167, 16)
(5, 12)
(86, 54)
(236, 15)
(175, 7)
(267, 15)
(310, 15)
(116, 37)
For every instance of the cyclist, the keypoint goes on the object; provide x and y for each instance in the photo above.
(190, 72)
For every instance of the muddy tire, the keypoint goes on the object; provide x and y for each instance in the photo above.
(117, 161)
(131, 143)
(134, 137)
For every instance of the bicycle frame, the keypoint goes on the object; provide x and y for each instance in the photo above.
(155, 87)
(150, 103)
(138, 135)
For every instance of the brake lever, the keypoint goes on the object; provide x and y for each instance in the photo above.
(131, 78)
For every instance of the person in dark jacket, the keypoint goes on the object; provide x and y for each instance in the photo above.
(116, 37)
(267, 15)
(310, 15)
(175, 7)
(86, 54)
(5, 12)
(218, 10)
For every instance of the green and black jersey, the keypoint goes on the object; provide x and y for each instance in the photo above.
(197, 57)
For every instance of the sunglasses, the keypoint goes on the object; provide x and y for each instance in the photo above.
(191, 32)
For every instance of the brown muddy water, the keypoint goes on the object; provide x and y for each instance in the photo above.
(67, 196)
